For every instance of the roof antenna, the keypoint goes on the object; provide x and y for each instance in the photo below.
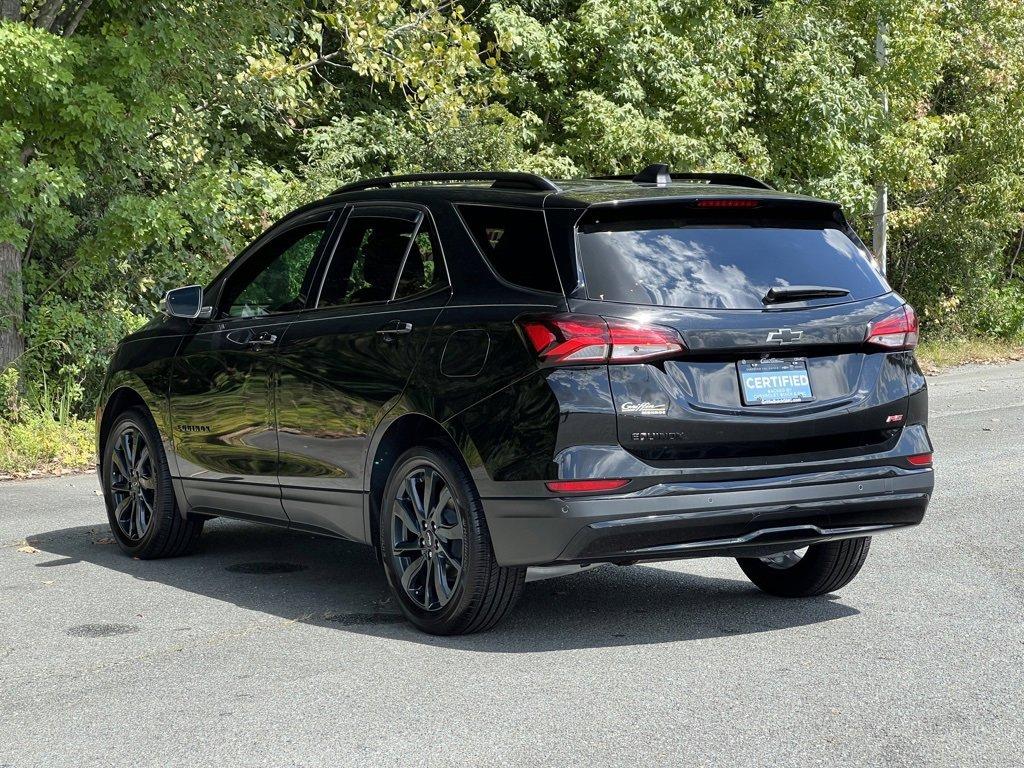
(657, 173)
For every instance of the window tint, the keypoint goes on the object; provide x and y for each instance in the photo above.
(367, 260)
(721, 267)
(515, 242)
(423, 268)
(277, 277)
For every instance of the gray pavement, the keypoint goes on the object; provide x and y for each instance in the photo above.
(213, 660)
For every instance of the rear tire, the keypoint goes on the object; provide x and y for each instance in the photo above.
(823, 568)
(436, 548)
(141, 509)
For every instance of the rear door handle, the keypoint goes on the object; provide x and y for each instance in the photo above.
(247, 338)
(395, 328)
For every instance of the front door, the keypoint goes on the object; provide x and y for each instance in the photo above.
(222, 387)
(347, 363)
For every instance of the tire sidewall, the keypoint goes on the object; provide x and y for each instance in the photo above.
(162, 494)
(472, 557)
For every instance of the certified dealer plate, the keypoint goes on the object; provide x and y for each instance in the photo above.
(774, 382)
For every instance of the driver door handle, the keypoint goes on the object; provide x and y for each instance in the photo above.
(395, 328)
(247, 338)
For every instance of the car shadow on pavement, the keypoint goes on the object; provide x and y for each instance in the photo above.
(332, 583)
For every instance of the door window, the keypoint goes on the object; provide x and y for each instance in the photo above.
(366, 262)
(423, 270)
(278, 277)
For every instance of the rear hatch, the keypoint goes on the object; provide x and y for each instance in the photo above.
(775, 303)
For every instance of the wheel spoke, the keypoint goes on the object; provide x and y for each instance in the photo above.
(120, 487)
(406, 547)
(408, 518)
(412, 572)
(120, 509)
(129, 447)
(118, 460)
(142, 458)
(414, 497)
(452, 532)
(427, 580)
(137, 518)
(147, 482)
(428, 492)
(441, 586)
(145, 513)
(451, 561)
(444, 498)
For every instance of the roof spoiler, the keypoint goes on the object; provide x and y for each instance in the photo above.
(658, 174)
(501, 180)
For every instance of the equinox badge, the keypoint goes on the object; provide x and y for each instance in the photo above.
(784, 336)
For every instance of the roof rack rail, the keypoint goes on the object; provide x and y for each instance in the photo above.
(658, 173)
(501, 179)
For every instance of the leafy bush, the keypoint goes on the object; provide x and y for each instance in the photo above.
(41, 437)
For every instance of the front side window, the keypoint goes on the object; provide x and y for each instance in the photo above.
(277, 278)
(366, 262)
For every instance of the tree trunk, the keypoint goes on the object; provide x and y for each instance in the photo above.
(10, 10)
(12, 302)
(12, 305)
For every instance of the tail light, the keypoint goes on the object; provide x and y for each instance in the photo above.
(897, 330)
(568, 339)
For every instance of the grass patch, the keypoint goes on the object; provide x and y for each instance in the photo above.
(936, 355)
(39, 444)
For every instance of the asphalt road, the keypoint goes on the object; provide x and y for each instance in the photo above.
(208, 660)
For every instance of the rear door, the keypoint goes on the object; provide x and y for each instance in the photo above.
(346, 364)
(774, 304)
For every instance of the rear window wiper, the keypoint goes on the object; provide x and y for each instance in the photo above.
(800, 292)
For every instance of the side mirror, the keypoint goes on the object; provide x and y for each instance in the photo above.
(186, 303)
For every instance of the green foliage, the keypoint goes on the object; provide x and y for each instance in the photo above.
(41, 434)
(144, 150)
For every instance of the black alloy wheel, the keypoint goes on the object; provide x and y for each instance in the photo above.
(137, 488)
(436, 548)
(132, 483)
(427, 538)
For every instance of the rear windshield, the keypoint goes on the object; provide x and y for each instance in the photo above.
(677, 264)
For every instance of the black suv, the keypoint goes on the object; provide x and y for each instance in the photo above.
(478, 373)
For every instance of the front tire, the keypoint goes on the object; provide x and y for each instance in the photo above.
(436, 547)
(141, 509)
(823, 568)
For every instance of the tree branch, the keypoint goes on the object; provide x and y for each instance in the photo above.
(72, 25)
(46, 15)
(322, 60)
(1013, 262)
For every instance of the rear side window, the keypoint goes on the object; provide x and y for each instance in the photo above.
(515, 243)
(366, 262)
(423, 270)
(679, 264)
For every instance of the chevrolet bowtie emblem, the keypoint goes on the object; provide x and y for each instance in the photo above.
(784, 336)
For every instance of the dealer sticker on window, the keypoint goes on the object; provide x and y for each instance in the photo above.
(774, 382)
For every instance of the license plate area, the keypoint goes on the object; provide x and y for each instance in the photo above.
(774, 382)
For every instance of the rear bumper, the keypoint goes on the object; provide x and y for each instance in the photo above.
(743, 518)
